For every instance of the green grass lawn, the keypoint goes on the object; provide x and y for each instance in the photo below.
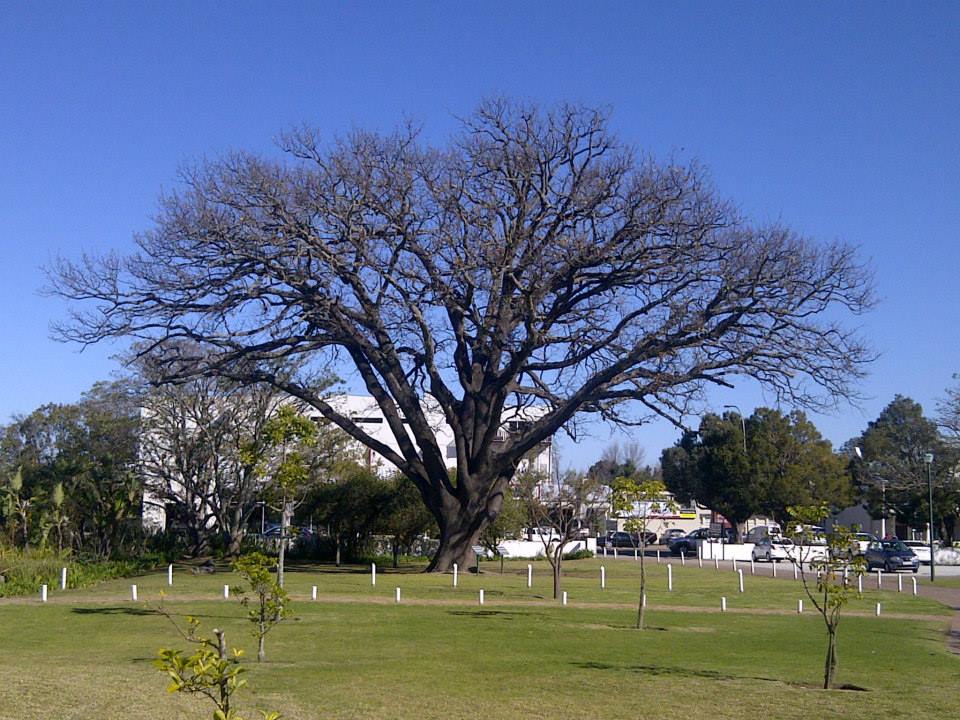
(356, 654)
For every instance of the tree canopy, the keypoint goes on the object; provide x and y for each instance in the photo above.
(534, 260)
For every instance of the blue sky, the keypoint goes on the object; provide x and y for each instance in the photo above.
(840, 119)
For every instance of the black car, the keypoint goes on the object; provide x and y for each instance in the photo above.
(688, 543)
(620, 539)
(891, 555)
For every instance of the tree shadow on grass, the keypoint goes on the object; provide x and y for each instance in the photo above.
(683, 672)
(118, 610)
(493, 614)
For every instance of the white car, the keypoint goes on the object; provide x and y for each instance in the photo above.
(772, 549)
(863, 539)
(920, 549)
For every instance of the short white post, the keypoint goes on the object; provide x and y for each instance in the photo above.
(456, 574)
(670, 577)
(799, 607)
(795, 576)
(699, 559)
(734, 564)
(373, 573)
(481, 596)
(636, 554)
(723, 604)
(43, 593)
(604, 550)
(63, 578)
(879, 579)
(170, 574)
(751, 566)
(398, 595)
(878, 609)
(226, 592)
(740, 575)
(614, 551)
(603, 578)
(774, 568)
(658, 556)
(914, 585)
(899, 582)
(564, 597)
(133, 593)
(716, 562)
(860, 583)
(644, 599)
(313, 592)
(529, 575)
(683, 559)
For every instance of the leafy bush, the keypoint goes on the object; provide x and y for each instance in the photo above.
(578, 555)
(24, 572)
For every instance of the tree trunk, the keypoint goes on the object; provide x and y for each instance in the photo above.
(338, 549)
(459, 532)
(643, 590)
(285, 517)
(830, 666)
(557, 572)
(261, 653)
(396, 553)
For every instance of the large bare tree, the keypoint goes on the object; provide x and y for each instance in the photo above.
(533, 260)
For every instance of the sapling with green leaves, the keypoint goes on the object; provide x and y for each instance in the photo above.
(833, 587)
(634, 498)
(210, 671)
(270, 603)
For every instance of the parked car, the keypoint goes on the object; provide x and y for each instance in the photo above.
(863, 541)
(891, 555)
(671, 534)
(621, 539)
(920, 549)
(762, 531)
(690, 542)
(771, 549)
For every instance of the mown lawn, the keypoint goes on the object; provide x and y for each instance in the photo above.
(356, 654)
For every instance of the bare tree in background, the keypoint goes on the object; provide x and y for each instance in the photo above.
(534, 260)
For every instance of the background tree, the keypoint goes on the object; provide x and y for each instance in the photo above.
(406, 517)
(894, 473)
(786, 463)
(534, 261)
(509, 524)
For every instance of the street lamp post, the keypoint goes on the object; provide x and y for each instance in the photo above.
(928, 459)
(743, 424)
(871, 468)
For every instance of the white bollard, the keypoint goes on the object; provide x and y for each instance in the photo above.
(879, 579)
(564, 597)
(604, 550)
(456, 571)
(398, 595)
(774, 565)
(170, 574)
(373, 573)
(899, 582)
(914, 585)
(226, 592)
(670, 577)
(716, 563)
(699, 559)
(751, 566)
(481, 596)
(723, 604)
(603, 578)
(740, 575)
(63, 578)
(529, 575)
(799, 607)
(734, 564)
(658, 556)
(614, 551)
(795, 576)
(644, 599)
(683, 559)
(133, 593)
(878, 609)
(313, 592)
(860, 583)
(43, 593)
